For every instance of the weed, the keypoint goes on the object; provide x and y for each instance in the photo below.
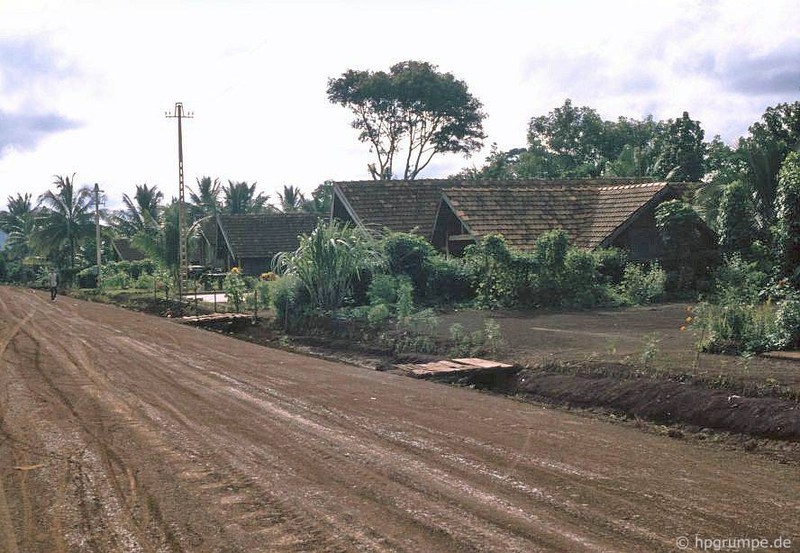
(650, 348)
(492, 336)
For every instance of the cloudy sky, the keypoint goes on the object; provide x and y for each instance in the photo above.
(84, 85)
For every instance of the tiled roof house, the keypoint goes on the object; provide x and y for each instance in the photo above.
(126, 251)
(453, 213)
(251, 241)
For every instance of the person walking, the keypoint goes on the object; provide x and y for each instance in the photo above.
(53, 280)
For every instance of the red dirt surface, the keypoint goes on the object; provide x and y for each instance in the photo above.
(124, 432)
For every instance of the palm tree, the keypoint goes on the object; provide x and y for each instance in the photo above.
(161, 241)
(18, 222)
(241, 198)
(65, 220)
(291, 199)
(142, 213)
(206, 201)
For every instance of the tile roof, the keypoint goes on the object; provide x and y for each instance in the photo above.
(402, 206)
(267, 234)
(588, 212)
(127, 251)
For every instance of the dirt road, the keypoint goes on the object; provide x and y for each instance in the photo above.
(124, 432)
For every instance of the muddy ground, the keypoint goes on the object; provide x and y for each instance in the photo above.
(125, 432)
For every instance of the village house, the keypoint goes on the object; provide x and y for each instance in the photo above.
(249, 242)
(454, 213)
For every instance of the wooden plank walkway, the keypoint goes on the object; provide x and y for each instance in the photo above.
(451, 366)
(213, 318)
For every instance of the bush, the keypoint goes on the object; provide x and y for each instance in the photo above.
(409, 254)
(259, 289)
(611, 263)
(578, 282)
(641, 285)
(235, 288)
(289, 298)
(555, 274)
(87, 278)
(145, 282)
(501, 278)
(737, 280)
(384, 289)
(448, 280)
(736, 328)
(787, 325)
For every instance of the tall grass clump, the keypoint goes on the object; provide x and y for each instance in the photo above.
(328, 262)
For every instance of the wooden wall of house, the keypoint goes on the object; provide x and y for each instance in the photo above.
(447, 225)
(254, 266)
(338, 211)
(641, 239)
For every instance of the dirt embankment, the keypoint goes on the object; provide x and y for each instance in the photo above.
(660, 401)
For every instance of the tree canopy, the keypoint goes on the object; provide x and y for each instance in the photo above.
(413, 109)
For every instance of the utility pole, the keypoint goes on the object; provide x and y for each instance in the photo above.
(97, 228)
(183, 269)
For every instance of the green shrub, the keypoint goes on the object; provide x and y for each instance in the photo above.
(113, 279)
(578, 282)
(408, 254)
(501, 278)
(448, 280)
(260, 290)
(235, 288)
(145, 282)
(787, 325)
(405, 300)
(737, 280)
(555, 274)
(289, 298)
(87, 278)
(383, 289)
(736, 327)
(611, 263)
(642, 285)
(378, 315)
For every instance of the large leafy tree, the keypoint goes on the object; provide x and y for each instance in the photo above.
(724, 166)
(413, 109)
(66, 219)
(768, 143)
(574, 142)
(682, 151)
(570, 138)
(240, 198)
(629, 146)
